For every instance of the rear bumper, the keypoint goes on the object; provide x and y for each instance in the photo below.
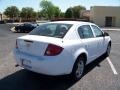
(49, 65)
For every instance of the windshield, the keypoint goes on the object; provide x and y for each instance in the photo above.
(52, 30)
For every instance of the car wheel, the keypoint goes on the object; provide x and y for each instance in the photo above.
(18, 30)
(22, 31)
(78, 68)
(26, 31)
(108, 50)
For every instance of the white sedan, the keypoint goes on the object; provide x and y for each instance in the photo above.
(61, 47)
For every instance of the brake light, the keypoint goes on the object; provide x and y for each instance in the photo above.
(53, 50)
(16, 45)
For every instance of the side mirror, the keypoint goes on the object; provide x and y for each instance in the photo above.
(105, 34)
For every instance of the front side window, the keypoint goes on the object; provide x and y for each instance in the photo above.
(97, 31)
(85, 32)
(57, 30)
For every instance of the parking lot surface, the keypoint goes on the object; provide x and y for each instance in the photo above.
(102, 74)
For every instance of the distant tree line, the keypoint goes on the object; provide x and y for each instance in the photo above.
(27, 13)
(48, 11)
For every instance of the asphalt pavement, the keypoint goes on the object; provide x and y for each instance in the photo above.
(99, 75)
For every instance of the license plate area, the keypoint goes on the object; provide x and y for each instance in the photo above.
(26, 63)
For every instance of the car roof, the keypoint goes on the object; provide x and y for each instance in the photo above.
(27, 23)
(71, 22)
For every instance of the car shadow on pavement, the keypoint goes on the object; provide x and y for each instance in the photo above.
(26, 80)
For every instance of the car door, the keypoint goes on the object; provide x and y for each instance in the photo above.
(30, 27)
(23, 28)
(27, 26)
(90, 43)
(99, 38)
(20, 27)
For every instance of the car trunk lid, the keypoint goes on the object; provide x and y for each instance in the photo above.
(36, 45)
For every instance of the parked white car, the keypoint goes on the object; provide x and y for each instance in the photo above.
(61, 47)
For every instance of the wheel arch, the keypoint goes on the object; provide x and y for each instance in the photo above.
(82, 54)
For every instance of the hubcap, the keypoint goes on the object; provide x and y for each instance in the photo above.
(80, 68)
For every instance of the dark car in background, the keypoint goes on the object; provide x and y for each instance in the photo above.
(2, 22)
(26, 27)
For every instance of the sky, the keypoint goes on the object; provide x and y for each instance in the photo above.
(62, 4)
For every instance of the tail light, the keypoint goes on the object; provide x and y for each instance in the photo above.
(16, 45)
(53, 50)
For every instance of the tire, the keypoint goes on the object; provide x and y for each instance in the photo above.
(107, 53)
(78, 69)
(18, 30)
(21, 31)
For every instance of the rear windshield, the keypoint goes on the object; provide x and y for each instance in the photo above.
(52, 30)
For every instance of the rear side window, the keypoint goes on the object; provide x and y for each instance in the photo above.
(97, 31)
(27, 25)
(85, 32)
(52, 30)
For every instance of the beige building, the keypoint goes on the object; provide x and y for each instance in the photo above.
(3, 17)
(108, 16)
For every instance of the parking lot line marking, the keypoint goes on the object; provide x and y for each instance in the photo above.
(112, 66)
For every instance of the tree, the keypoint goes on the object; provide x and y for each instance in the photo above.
(48, 8)
(44, 14)
(57, 12)
(27, 13)
(34, 15)
(39, 14)
(62, 14)
(74, 12)
(69, 13)
(12, 12)
(77, 10)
